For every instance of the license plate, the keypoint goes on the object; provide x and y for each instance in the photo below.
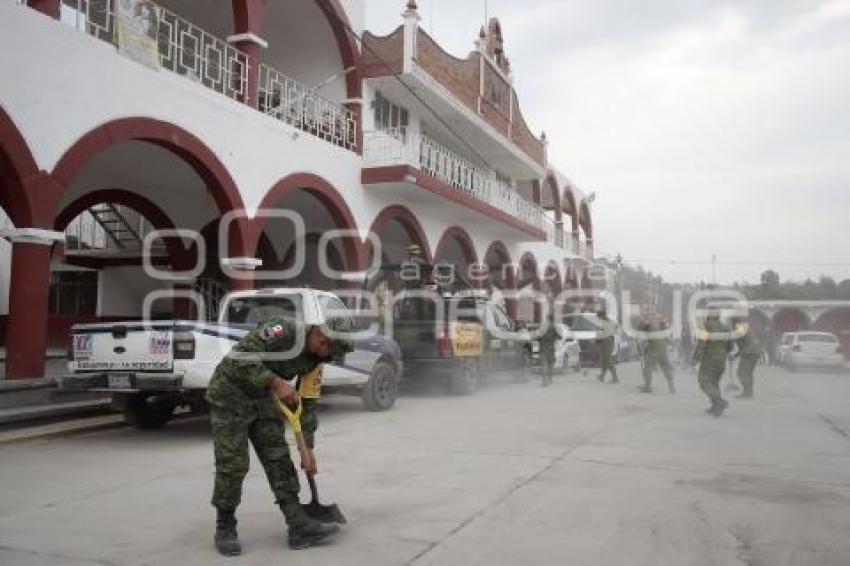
(119, 381)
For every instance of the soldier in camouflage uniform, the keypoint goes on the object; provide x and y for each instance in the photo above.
(749, 351)
(655, 354)
(713, 346)
(605, 344)
(547, 350)
(243, 410)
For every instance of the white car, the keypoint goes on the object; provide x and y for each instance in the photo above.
(810, 349)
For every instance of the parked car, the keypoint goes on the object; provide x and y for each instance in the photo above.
(153, 367)
(810, 349)
(463, 348)
(567, 351)
(585, 328)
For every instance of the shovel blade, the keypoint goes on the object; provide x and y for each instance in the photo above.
(324, 513)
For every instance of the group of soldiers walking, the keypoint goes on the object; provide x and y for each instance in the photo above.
(714, 344)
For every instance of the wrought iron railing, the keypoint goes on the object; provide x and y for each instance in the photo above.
(181, 46)
(445, 165)
(298, 105)
(398, 146)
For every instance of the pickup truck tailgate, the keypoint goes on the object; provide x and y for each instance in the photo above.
(123, 347)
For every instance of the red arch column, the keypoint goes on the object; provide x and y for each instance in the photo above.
(409, 223)
(249, 19)
(30, 197)
(26, 344)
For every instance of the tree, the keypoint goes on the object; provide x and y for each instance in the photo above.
(770, 279)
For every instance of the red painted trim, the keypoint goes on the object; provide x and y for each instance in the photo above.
(555, 283)
(585, 221)
(408, 221)
(27, 327)
(249, 16)
(329, 196)
(570, 198)
(153, 213)
(398, 173)
(178, 254)
(46, 7)
(556, 194)
(530, 262)
(346, 43)
(462, 238)
(499, 249)
(169, 136)
(18, 168)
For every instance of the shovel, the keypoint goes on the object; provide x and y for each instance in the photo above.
(314, 509)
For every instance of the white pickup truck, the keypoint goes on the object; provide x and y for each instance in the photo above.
(153, 367)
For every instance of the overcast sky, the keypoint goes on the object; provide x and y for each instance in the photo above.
(705, 127)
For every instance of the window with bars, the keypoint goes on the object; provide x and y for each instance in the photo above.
(73, 293)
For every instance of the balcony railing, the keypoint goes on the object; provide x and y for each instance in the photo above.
(397, 146)
(296, 104)
(181, 46)
(168, 41)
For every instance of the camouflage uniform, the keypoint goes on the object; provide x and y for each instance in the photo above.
(547, 351)
(655, 355)
(242, 409)
(605, 346)
(711, 351)
(749, 350)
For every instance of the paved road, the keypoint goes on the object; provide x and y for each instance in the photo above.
(580, 473)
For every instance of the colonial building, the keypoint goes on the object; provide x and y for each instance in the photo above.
(119, 118)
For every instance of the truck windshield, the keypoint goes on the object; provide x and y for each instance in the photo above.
(580, 323)
(255, 310)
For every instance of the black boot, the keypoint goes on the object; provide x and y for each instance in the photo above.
(226, 539)
(304, 532)
(719, 407)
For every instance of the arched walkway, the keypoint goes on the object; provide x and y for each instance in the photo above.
(456, 249)
(321, 208)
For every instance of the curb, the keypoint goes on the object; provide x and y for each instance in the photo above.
(62, 429)
(25, 414)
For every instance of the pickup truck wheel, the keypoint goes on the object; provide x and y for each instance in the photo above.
(149, 412)
(381, 391)
(466, 380)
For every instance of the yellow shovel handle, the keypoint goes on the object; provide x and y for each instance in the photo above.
(294, 418)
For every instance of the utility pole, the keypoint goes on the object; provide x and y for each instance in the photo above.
(714, 270)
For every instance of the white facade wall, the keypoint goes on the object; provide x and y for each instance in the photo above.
(99, 86)
(122, 291)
